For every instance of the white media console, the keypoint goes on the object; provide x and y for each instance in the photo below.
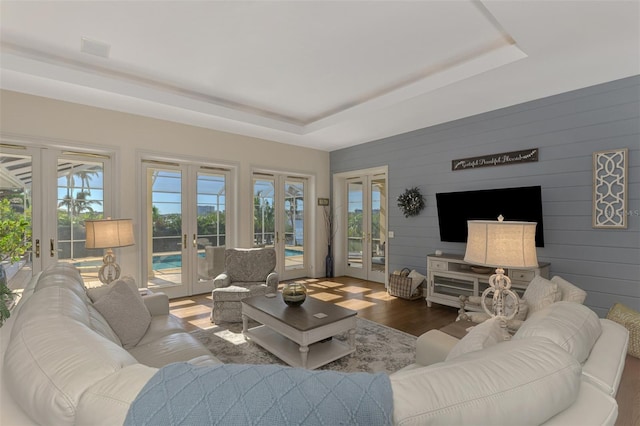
(449, 276)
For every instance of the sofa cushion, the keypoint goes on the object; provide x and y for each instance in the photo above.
(540, 293)
(174, 347)
(572, 326)
(515, 382)
(125, 312)
(569, 292)
(606, 361)
(53, 356)
(481, 336)
(63, 275)
(96, 293)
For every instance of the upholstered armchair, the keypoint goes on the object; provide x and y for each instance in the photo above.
(247, 272)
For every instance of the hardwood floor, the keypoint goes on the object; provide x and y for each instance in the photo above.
(368, 298)
(414, 317)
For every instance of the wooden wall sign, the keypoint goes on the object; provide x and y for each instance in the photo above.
(524, 156)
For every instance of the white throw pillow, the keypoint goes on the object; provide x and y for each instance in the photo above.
(481, 336)
(416, 279)
(126, 313)
(572, 326)
(540, 293)
(96, 293)
(570, 293)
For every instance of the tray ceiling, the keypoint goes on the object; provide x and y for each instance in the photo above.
(321, 74)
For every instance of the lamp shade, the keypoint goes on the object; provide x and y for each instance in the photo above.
(501, 244)
(109, 233)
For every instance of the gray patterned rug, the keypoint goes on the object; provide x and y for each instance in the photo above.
(378, 348)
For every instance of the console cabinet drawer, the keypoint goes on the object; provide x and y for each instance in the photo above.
(438, 265)
(522, 275)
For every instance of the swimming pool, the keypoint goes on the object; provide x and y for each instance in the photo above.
(168, 261)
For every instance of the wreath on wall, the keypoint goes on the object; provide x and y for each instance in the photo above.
(411, 202)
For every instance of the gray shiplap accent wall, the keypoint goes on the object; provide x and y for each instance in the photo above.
(567, 128)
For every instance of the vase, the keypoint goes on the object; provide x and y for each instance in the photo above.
(328, 263)
(294, 294)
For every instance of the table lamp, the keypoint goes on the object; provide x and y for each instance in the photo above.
(109, 234)
(501, 244)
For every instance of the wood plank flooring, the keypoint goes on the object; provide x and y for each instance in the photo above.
(414, 317)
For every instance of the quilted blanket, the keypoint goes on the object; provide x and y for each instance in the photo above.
(239, 394)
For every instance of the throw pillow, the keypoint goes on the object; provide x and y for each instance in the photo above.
(481, 336)
(570, 293)
(572, 326)
(125, 312)
(416, 279)
(540, 293)
(96, 293)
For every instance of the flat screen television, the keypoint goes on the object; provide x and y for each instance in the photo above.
(456, 208)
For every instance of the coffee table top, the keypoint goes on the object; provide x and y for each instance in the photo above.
(299, 317)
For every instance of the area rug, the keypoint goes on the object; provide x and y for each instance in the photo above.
(378, 348)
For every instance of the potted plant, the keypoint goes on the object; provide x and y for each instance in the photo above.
(15, 232)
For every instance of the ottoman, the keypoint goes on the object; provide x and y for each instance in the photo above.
(226, 303)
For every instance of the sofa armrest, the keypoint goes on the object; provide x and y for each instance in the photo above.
(222, 280)
(433, 346)
(157, 303)
(272, 281)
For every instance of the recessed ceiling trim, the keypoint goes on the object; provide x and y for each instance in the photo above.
(130, 78)
(489, 57)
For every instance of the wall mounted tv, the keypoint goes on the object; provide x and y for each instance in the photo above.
(456, 208)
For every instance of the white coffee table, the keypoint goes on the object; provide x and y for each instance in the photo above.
(299, 335)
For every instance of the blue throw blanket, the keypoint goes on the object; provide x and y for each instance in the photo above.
(238, 394)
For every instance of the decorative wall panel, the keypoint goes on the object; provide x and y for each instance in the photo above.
(610, 189)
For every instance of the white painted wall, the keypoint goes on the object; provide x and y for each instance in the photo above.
(46, 121)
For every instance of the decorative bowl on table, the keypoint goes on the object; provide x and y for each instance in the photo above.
(294, 294)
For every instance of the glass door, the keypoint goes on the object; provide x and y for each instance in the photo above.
(377, 228)
(185, 226)
(355, 226)
(279, 220)
(210, 228)
(17, 170)
(56, 191)
(165, 236)
(80, 195)
(366, 224)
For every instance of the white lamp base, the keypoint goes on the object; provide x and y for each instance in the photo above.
(110, 271)
(500, 286)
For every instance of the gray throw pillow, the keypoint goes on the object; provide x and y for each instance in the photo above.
(126, 313)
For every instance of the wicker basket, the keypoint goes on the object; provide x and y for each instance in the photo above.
(400, 286)
(630, 319)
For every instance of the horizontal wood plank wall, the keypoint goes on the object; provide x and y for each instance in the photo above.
(567, 128)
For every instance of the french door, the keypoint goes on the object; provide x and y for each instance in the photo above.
(365, 227)
(56, 191)
(184, 226)
(279, 220)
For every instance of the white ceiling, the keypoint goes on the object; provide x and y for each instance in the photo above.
(321, 74)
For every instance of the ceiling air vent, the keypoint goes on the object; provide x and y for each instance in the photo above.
(94, 47)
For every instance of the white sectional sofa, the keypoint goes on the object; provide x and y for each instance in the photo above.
(480, 394)
(63, 364)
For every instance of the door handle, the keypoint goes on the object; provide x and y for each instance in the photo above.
(195, 243)
(52, 251)
(37, 249)
(184, 241)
